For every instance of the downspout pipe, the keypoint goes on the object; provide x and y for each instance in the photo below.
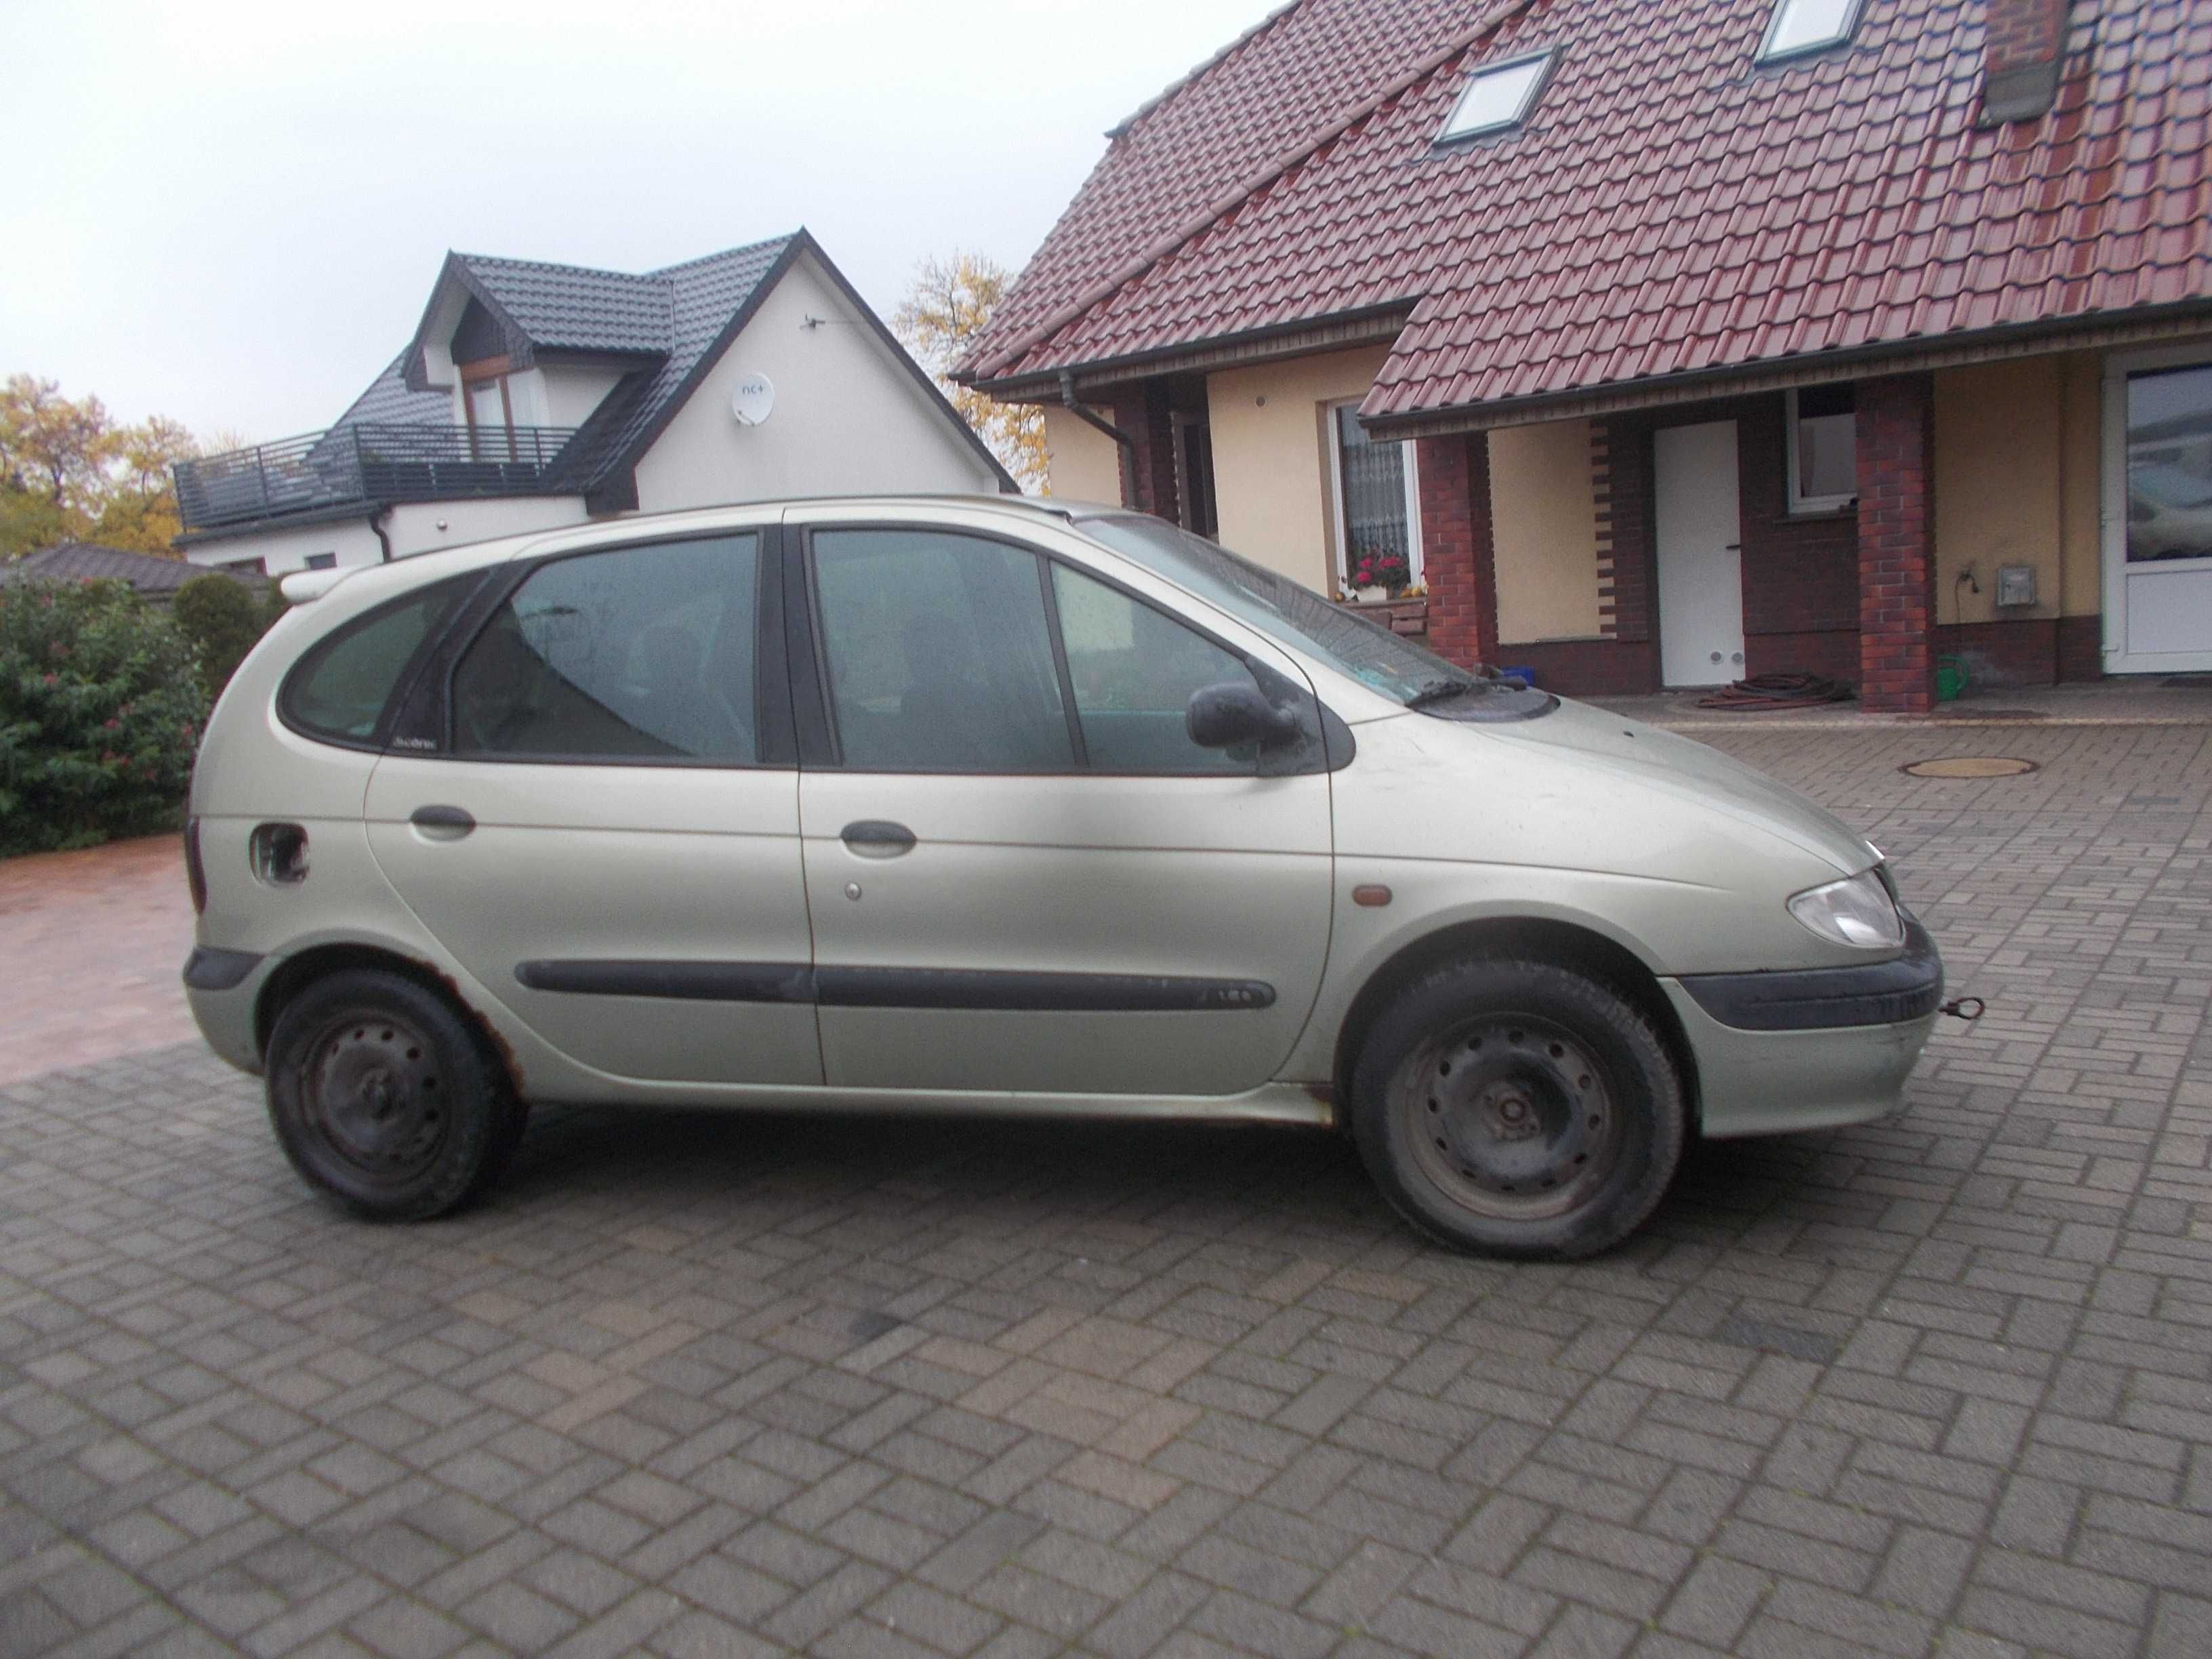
(384, 541)
(1091, 417)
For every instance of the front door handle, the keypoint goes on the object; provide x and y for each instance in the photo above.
(442, 823)
(876, 838)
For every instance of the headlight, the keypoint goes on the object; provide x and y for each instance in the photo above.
(1857, 910)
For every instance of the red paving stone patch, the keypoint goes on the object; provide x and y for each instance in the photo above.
(94, 942)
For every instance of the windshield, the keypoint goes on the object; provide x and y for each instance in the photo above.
(1298, 616)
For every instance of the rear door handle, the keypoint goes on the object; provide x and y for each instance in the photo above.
(443, 822)
(877, 838)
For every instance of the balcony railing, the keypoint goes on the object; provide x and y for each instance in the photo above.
(366, 463)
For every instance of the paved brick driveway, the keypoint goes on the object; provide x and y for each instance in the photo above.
(1943, 1384)
(93, 941)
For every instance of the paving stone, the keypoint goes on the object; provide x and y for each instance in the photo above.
(697, 1385)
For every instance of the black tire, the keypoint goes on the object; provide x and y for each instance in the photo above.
(387, 1099)
(1518, 1109)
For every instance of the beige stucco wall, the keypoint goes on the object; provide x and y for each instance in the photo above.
(1271, 457)
(1999, 492)
(2081, 423)
(849, 417)
(1082, 464)
(2016, 483)
(1544, 517)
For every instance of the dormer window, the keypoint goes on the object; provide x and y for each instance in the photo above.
(489, 407)
(1803, 25)
(1498, 97)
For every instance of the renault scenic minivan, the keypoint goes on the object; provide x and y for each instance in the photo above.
(951, 804)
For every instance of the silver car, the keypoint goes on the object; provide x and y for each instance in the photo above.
(964, 805)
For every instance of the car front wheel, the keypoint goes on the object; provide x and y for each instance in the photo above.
(384, 1097)
(1518, 1109)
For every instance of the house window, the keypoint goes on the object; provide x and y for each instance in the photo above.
(1802, 26)
(1499, 96)
(1377, 497)
(322, 562)
(1823, 449)
(490, 408)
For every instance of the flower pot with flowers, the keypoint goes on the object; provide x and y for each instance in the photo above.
(1380, 575)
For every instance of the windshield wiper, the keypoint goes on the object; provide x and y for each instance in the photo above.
(1443, 691)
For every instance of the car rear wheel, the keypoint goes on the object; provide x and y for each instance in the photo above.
(1518, 1109)
(384, 1097)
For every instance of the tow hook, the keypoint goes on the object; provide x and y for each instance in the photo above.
(1967, 1008)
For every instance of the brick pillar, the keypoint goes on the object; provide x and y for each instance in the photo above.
(1458, 560)
(1897, 544)
(1142, 412)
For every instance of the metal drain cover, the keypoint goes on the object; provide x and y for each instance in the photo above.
(1970, 766)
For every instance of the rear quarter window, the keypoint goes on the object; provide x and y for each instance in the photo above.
(341, 689)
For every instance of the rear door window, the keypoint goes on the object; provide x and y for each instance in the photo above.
(341, 689)
(635, 653)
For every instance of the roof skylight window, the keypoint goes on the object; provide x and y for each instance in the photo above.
(1800, 25)
(1499, 96)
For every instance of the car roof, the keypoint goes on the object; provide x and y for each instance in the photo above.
(301, 587)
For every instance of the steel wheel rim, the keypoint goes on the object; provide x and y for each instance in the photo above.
(375, 1096)
(1513, 1117)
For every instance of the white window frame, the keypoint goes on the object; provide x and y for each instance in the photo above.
(1842, 37)
(1807, 506)
(1342, 578)
(1547, 62)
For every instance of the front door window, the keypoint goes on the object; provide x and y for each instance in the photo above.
(939, 656)
(2169, 459)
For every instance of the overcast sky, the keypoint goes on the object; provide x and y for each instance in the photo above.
(232, 213)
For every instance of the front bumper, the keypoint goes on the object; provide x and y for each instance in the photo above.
(1904, 989)
(1811, 1049)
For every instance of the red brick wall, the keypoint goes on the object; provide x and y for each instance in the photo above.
(1625, 522)
(2023, 31)
(1801, 575)
(1457, 552)
(1588, 668)
(1897, 551)
(1143, 413)
(2018, 651)
(2081, 648)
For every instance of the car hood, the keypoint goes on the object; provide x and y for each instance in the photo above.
(1692, 772)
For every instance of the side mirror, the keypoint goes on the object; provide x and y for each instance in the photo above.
(1235, 714)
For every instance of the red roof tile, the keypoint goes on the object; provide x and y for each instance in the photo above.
(1670, 206)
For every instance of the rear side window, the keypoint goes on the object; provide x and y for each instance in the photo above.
(341, 687)
(637, 653)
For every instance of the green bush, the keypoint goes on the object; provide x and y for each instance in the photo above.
(223, 619)
(100, 709)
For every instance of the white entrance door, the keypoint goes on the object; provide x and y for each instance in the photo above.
(2158, 513)
(1700, 557)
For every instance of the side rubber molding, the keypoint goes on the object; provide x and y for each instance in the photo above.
(972, 988)
(209, 969)
(1907, 987)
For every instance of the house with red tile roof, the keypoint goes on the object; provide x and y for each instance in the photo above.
(1670, 344)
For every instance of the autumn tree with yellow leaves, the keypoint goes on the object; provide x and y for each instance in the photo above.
(69, 472)
(941, 317)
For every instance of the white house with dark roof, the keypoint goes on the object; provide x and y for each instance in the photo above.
(536, 396)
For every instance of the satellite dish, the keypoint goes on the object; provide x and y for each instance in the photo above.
(754, 400)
